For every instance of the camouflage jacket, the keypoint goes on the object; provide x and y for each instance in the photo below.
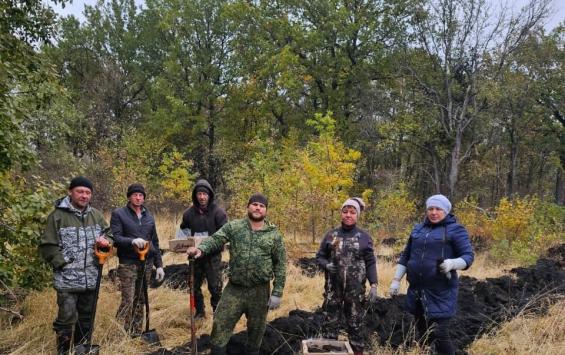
(255, 256)
(67, 244)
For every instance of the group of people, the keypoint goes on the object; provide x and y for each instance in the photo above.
(434, 251)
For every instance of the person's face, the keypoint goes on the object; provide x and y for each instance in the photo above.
(202, 198)
(349, 216)
(136, 199)
(256, 211)
(80, 196)
(435, 214)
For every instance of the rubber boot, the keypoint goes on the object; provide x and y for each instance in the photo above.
(64, 341)
(218, 350)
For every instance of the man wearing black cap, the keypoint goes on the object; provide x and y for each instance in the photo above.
(67, 244)
(203, 219)
(257, 255)
(133, 225)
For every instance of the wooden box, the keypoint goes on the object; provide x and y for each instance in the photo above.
(322, 346)
(180, 245)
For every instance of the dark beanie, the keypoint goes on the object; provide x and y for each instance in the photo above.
(258, 197)
(80, 181)
(133, 188)
(202, 188)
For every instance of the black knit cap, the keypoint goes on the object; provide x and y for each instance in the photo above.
(80, 181)
(202, 189)
(258, 197)
(133, 188)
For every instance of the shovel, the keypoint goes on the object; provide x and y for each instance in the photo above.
(88, 348)
(149, 336)
(192, 305)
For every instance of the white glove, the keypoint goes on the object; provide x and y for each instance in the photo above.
(160, 274)
(452, 264)
(274, 302)
(395, 284)
(139, 243)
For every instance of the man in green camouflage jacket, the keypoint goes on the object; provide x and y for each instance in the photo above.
(67, 244)
(257, 255)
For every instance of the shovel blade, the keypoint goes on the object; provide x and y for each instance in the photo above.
(87, 349)
(151, 337)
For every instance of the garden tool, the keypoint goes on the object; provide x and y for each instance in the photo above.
(149, 336)
(101, 254)
(192, 306)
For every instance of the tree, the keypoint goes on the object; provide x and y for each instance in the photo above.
(458, 38)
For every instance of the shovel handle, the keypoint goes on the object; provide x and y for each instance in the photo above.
(101, 253)
(142, 252)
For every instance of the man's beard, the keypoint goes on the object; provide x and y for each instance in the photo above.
(253, 218)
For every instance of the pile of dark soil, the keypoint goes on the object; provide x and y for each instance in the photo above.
(482, 306)
(308, 266)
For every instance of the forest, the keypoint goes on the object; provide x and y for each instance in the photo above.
(307, 101)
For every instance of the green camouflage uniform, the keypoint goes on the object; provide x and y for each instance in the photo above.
(256, 257)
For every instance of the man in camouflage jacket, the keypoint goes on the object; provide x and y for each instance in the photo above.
(346, 254)
(67, 244)
(257, 255)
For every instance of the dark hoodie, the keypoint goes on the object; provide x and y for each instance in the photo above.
(208, 219)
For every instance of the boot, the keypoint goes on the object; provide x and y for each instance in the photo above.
(218, 350)
(64, 341)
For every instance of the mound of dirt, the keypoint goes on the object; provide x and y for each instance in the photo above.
(483, 304)
(308, 266)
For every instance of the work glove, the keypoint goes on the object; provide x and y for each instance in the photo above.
(394, 287)
(331, 268)
(159, 274)
(274, 302)
(139, 243)
(373, 294)
(193, 252)
(395, 284)
(452, 264)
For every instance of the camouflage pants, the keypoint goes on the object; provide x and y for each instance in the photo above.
(130, 312)
(209, 268)
(238, 300)
(349, 299)
(74, 310)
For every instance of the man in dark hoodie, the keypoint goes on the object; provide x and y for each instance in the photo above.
(67, 244)
(204, 218)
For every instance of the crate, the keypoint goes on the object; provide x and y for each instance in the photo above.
(180, 245)
(332, 347)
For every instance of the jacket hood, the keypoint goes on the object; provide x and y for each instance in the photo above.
(64, 203)
(206, 184)
(449, 219)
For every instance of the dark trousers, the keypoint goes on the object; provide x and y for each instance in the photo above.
(345, 302)
(74, 311)
(434, 332)
(209, 269)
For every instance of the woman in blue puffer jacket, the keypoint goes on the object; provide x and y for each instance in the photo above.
(435, 250)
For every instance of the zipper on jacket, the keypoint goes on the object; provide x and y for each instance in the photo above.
(423, 253)
(85, 249)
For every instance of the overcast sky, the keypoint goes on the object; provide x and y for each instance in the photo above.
(558, 15)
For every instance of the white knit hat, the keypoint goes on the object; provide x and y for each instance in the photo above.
(439, 201)
(355, 202)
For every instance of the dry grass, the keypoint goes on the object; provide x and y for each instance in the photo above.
(527, 334)
(170, 313)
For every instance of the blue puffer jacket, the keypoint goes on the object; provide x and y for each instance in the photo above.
(428, 244)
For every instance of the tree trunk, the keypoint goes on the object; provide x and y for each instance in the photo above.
(454, 168)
